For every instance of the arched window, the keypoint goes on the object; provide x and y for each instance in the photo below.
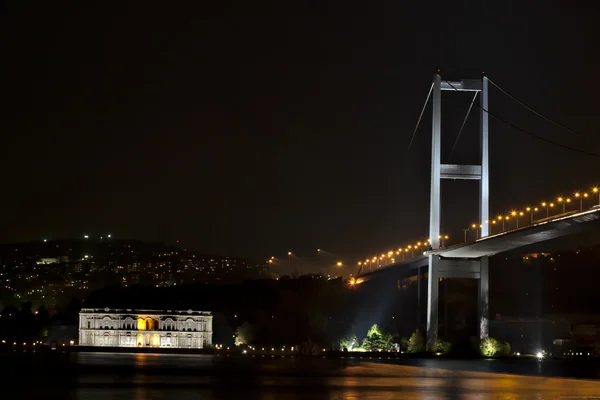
(169, 324)
(189, 324)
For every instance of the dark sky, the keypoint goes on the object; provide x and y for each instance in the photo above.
(250, 129)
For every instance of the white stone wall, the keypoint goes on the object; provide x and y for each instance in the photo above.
(117, 329)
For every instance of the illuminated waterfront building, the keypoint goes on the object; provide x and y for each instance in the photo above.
(145, 328)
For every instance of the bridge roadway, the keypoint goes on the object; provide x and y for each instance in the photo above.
(550, 228)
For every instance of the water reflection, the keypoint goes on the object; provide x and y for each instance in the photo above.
(148, 376)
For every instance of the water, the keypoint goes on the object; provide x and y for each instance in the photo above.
(92, 376)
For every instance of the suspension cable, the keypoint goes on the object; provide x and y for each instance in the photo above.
(419, 121)
(462, 126)
(589, 153)
(532, 110)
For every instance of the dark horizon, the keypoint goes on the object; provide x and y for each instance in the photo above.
(255, 130)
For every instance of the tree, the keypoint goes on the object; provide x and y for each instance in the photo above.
(244, 334)
(309, 348)
(506, 348)
(376, 340)
(491, 347)
(488, 347)
(442, 346)
(416, 343)
(349, 343)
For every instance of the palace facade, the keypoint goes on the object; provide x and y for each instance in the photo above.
(145, 328)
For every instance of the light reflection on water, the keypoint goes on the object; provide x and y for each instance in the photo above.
(91, 376)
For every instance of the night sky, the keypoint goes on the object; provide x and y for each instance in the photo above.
(251, 129)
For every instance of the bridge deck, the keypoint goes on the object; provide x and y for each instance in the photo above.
(545, 230)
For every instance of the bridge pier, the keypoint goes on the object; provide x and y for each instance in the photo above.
(433, 295)
(484, 297)
(419, 297)
(456, 268)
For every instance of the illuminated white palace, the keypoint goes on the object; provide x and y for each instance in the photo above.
(145, 328)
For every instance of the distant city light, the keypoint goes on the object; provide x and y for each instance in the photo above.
(45, 240)
(108, 236)
(539, 355)
(85, 236)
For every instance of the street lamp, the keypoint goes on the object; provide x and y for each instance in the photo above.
(339, 264)
(544, 204)
(318, 252)
(551, 205)
(517, 215)
(477, 230)
(443, 238)
(514, 214)
(289, 255)
(465, 231)
(564, 203)
(476, 227)
(533, 210)
(595, 190)
(501, 218)
(580, 197)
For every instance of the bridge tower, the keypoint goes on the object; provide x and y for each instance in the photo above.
(456, 268)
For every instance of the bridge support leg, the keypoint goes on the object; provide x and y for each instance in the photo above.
(484, 183)
(436, 161)
(419, 297)
(456, 268)
(484, 298)
(433, 287)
